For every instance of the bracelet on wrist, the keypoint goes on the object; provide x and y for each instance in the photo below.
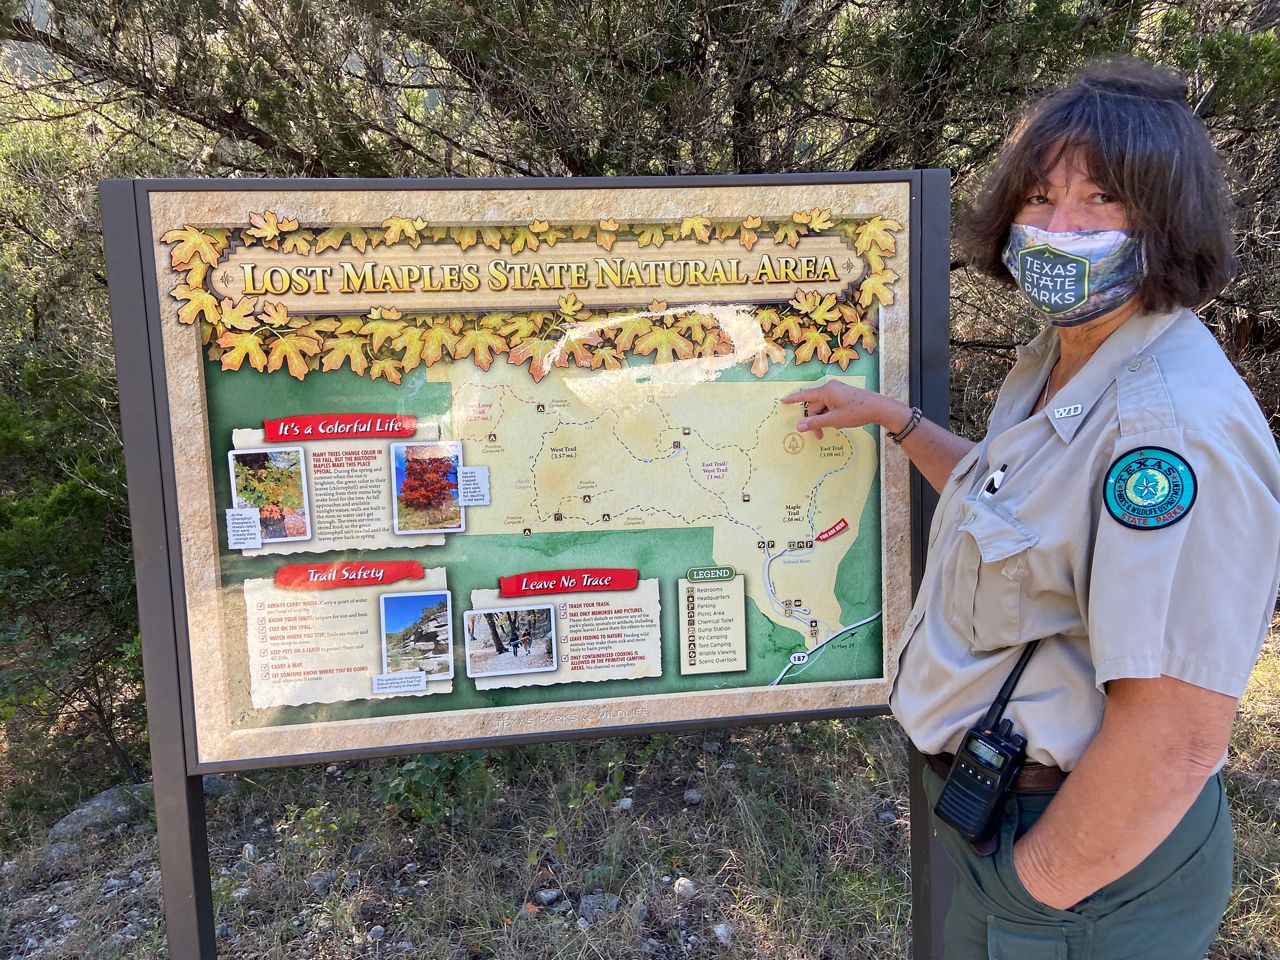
(916, 417)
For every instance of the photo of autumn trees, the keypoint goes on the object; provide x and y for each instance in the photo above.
(426, 487)
(271, 481)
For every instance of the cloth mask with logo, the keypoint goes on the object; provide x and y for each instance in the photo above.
(1073, 276)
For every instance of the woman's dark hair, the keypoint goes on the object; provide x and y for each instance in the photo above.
(1142, 144)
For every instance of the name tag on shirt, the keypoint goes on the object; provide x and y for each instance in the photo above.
(1074, 410)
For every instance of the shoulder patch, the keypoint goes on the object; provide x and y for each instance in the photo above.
(1149, 487)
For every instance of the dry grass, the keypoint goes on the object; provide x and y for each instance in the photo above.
(799, 844)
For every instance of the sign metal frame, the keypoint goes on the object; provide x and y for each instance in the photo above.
(136, 314)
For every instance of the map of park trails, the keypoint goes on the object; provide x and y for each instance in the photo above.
(582, 456)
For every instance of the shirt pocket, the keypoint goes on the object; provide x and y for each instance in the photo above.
(961, 470)
(983, 602)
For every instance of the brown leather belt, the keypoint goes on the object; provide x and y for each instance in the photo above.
(1032, 778)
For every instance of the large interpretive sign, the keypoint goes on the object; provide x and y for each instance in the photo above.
(457, 463)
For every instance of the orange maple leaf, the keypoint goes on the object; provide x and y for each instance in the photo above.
(292, 348)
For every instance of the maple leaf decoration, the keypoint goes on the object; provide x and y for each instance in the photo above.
(877, 286)
(348, 349)
(699, 227)
(815, 306)
(200, 302)
(333, 237)
(857, 328)
(292, 349)
(238, 314)
(388, 367)
(402, 228)
(240, 347)
(384, 324)
(768, 352)
(193, 243)
(481, 344)
(665, 343)
(539, 351)
(267, 227)
(607, 233)
(874, 240)
(275, 314)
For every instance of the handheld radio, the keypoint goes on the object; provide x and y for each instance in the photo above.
(986, 763)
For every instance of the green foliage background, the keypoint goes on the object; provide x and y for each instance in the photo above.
(91, 89)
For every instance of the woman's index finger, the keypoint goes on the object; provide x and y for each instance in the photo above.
(802, 396)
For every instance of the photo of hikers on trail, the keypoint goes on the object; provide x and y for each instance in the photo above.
(515, 640)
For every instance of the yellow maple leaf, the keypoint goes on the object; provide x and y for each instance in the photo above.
(425, 344)
(571, 308)
(699, 227)
(650, 234)
(819, 220)
(333, 237)
(381, 331)
(240, 347)
(389, 368)
(813, 343)
(238, 314)
(607, 232)
(787, 325)
(402, 228)
(199, 302)
(878, 286)
(814, 305)
(275, 314)
(523, 238)
(521, 327)
(576, 347)
(466, 237)
(768, 352)
(749, 236)
(607, 357)
(790, 231)
(843, 355)
(193, 243)
(877, 231)
(349, 349)
(629, 327)
(298, 242)
(694, 325)
(665, 343)
(726, 229)
(292, 348)
(481, 344)
(267, 227)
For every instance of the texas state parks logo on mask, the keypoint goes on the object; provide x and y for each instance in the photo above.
(1149, 488)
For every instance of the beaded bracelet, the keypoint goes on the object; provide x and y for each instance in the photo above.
(916, 417)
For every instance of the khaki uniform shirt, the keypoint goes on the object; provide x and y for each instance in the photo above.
(1043, 558)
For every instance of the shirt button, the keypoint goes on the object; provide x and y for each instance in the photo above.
(1135, 365)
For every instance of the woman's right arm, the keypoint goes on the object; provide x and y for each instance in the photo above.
(934, 450)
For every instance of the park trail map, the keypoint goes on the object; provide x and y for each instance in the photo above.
(479, 465)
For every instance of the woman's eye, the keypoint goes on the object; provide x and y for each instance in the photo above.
(1037, 199)
(1107, 198)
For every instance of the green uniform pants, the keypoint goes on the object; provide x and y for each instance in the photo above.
(1166, 908)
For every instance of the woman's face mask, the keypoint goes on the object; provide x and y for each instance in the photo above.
(1072, 277)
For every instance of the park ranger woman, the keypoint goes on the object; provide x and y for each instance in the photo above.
(1124, 510)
